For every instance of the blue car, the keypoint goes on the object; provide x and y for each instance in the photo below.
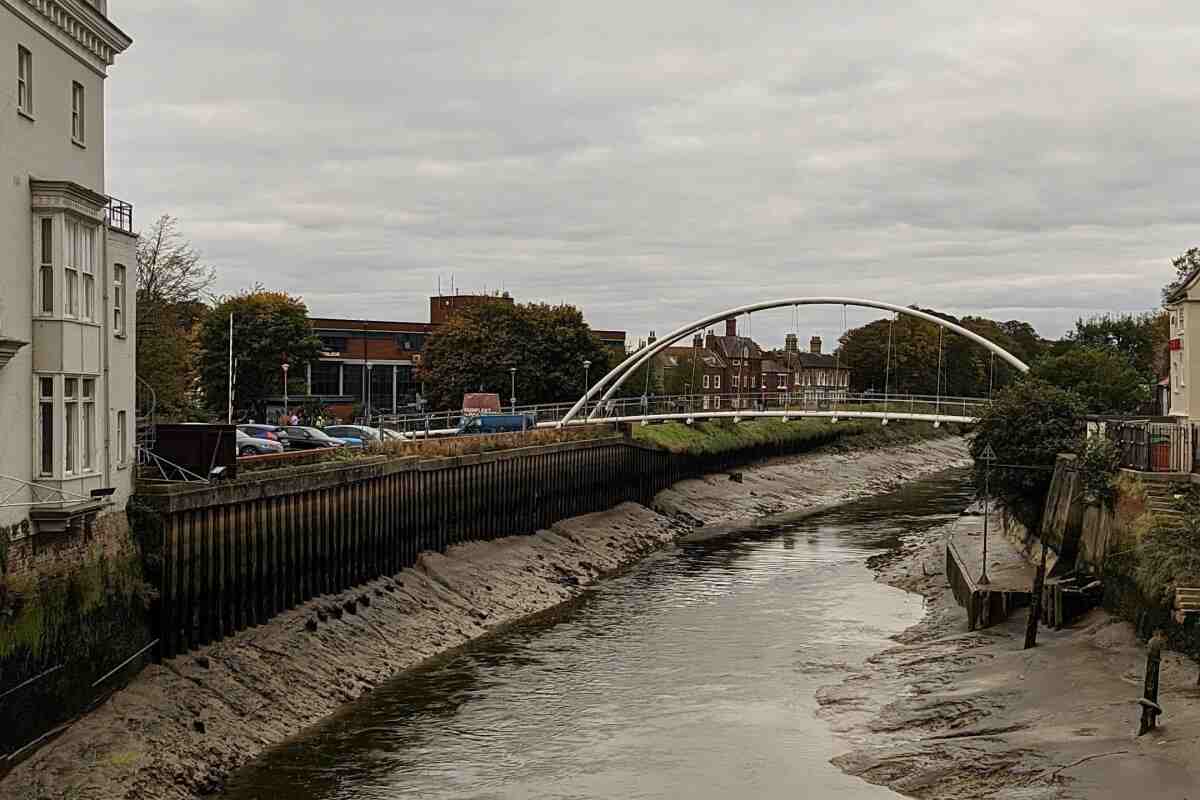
(497, 423)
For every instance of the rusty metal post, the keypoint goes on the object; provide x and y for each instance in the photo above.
(1149, 702)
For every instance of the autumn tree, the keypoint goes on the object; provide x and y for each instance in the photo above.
(171, 281)
(475, 349)
(269, 328)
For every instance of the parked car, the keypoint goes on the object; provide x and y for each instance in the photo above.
(362, 433)
(248, 445)
(496, 423)
(272, 433)
(302, 437)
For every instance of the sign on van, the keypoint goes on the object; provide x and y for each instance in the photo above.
(478, 403)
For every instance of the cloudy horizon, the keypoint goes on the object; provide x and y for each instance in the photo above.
(653, 163)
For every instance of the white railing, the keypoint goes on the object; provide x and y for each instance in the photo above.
(803, 402)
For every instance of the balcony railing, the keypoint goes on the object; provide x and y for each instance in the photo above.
(119, 215)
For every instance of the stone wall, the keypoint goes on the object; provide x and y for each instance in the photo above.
(25, 555)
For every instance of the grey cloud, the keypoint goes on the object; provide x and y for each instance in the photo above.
(652, 162)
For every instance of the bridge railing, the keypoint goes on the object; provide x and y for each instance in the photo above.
(801, 401)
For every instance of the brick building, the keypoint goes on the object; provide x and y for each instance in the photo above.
(373, 363)
(732, 371)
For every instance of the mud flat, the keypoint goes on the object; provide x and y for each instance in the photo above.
(180, 728)
(951, 714)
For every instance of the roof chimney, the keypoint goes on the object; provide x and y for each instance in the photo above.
(791, 343)
(814, 344)
(731, 327)
(653, 337)
(698, 341)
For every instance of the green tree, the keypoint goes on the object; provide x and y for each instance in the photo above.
(917, 347)
(477, 347)
(1140, 338)
(1027, 426)
(1184, 265)
(171, 281)
(268, 328)
(1104, 379)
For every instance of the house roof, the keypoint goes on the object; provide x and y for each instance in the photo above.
(734, 346)
(1180, 292)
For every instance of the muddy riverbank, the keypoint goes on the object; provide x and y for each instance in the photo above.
(181, 727)
(952, 714)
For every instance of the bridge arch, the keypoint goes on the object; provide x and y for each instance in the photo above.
(622, 371)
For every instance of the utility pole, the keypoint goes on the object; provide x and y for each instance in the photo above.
(229, 411)
(587, 384)
(512, 372)
(286, 411)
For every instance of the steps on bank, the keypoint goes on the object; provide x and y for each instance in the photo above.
(1162, 499)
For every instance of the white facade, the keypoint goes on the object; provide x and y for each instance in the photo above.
(1183, 308)
(66, 295)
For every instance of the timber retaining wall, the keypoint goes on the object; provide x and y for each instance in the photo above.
(226, 557)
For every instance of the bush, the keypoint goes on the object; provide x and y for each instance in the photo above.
(1098, 462)
(1027, 426)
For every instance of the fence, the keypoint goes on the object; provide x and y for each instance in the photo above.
(234, 555)
(1151, 446)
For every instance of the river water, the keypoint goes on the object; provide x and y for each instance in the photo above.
(691, 676)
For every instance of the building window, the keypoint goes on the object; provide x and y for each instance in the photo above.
(70, 421)
(77, 112)
(326, 378)
(783, 381)
(89, 422)
(24, 81)
(119, 299)
(121, 440)
(706, 402)
(80, 271)
(705, 381)
(716, 381)
(46, 267)
(46, 426)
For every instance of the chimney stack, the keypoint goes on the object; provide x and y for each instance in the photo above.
(814, 345)
(731, 327)
(698, 341)
(791, 343)
(653, 337)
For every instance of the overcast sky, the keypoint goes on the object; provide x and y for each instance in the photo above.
(653, 162)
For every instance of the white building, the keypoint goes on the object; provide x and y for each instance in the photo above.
(1183, 306)
(66, 275)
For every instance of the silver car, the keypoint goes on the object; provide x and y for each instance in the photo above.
(253, 446)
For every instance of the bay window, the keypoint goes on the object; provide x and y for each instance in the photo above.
(45, 443)
(70, 417)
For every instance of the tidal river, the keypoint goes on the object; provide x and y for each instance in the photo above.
(691, 676)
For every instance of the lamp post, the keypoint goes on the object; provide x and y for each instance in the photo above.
(512, 372)
(367, 396)
(587, 383)
(285, 392)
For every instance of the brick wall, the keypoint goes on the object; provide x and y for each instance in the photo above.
(28, 553)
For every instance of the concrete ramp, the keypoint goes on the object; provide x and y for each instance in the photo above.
(1010, 576)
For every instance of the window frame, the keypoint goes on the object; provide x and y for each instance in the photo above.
(70, 425)
(44, 430)
(78, 114)
(24, 81)
(45, 275)
(87, 419)
(120, 281)
(716, 381)
(122, 436)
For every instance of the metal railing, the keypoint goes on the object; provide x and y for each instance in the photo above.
(826, 402)
(119, 215)
(1152, 446)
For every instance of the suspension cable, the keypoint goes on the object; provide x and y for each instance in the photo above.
(887, 370)
(938, 407)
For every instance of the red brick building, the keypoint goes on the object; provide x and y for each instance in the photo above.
(373, 363)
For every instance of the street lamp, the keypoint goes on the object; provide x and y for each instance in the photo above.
(587, 384)
(286, 413)
(512, 371)
(367, 396)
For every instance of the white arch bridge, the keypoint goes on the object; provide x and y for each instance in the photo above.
(601, 403)
(598, 404)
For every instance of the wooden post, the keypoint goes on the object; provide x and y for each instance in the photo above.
(1149, 702)
(1035, 603)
